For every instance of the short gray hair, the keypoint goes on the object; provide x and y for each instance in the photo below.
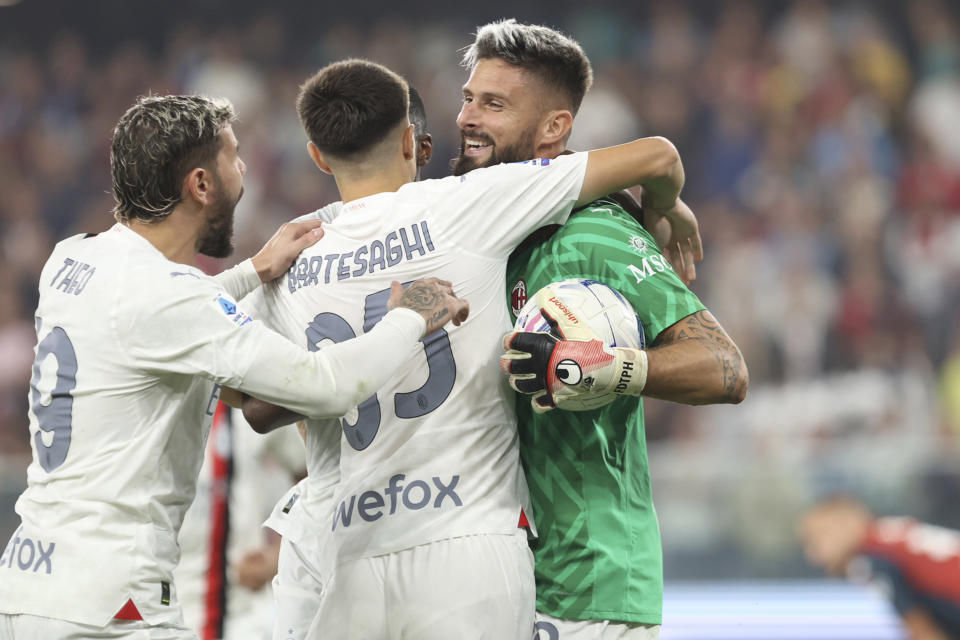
(555, 58)
(156, 143)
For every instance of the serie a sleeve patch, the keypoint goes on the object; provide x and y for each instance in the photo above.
(228, 308)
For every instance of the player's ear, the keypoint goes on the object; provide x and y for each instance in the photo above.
(556, 127)
(317, 156)
(424, 149)
(409, 145)
(198, 186)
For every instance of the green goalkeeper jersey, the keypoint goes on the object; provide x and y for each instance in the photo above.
(599, 554)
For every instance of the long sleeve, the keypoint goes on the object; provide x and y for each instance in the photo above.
(239, 280)
(194, 328)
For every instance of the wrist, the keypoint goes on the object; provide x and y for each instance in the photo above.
(412, 321)
(249, 272)
(661, 205)
(262, 267)
(629, 373)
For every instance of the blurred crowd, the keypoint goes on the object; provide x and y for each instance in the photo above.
(822, 158)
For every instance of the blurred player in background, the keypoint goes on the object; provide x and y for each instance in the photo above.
(140, 343)
(429, 505)
(300, 517)
(914, 564)
(226, 558)
(598, 560)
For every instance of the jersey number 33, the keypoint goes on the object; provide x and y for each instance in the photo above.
(412, 404)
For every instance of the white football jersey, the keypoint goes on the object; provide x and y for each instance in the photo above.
(433, 454)
(119, 416)
(322, 436)
(300, 515)
(328, 213)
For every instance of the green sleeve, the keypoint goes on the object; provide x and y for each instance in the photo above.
(602, 242)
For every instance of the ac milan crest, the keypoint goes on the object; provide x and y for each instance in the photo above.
(518, 297)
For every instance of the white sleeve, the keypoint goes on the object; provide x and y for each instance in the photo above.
(192, 327)
(256, 305)
(499, 206)
(240, 280)
(328, 382)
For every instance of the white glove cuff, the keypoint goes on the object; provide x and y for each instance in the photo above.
(631, 371)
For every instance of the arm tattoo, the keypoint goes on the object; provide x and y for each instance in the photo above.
(425, 300)
(420, 297)
(438, 316)
(704, 329)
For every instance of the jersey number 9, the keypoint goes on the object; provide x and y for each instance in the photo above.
(56, 414)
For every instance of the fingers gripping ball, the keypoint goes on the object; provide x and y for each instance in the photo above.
(558, 373)
(576, 346)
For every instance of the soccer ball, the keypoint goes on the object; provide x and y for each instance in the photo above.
(602, 308)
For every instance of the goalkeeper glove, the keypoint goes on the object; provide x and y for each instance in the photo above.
(570, 366)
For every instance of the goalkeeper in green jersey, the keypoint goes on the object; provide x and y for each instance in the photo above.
(598, 560)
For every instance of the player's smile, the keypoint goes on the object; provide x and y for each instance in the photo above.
(476, 146)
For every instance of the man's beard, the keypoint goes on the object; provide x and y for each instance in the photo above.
(216, 238)
(519, 151)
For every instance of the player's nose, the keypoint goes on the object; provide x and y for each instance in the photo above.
(467, 118)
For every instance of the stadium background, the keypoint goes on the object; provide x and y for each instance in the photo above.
(823, 161)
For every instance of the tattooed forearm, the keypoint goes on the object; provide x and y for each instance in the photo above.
(702, 329)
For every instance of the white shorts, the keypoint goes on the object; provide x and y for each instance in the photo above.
(306, 557)
(550, 628)
(297, 590)
(25, 627)
(469, 588)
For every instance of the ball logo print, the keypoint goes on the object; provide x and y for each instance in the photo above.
(558, 307)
